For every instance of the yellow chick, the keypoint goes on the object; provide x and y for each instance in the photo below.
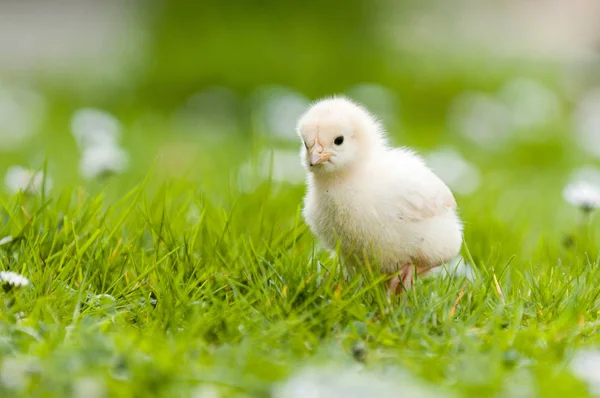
(382, 205)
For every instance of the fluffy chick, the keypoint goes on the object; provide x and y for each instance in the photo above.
(382, 205)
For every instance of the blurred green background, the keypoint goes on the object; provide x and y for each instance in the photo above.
(500, 97)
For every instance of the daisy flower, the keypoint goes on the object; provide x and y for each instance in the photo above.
(103, 160)
(94, 127)
(97, 134)
(586, 366)
(6, 240)
(27, 181)
(582, 194)
(11, 279)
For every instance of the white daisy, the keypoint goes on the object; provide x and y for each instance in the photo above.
(586, 173)
(586, 365)
(21, 113)
(481, 118)
(13, 279)
(353, 383)
(94, 127)
(582, 194)
(27, 181)
(15, 373)
(103, 160)
(6, 240)
(531, 103)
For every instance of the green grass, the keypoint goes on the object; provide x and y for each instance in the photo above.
(169, 278)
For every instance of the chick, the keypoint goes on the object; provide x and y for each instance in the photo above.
(382, 205)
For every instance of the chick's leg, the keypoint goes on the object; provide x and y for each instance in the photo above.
(393, 285)
(403, 280)
(407, 276)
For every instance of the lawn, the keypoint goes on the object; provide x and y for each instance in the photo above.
(190, 272)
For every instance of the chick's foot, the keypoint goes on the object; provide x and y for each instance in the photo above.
(402, 281)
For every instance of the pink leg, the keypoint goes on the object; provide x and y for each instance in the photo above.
(393, 285)
(407, 276)
(401, 282)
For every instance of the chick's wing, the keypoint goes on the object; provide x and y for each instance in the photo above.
(420, 193)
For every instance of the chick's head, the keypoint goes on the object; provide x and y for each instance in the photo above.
(337, 134)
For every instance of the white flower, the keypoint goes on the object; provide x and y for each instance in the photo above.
(103, 160)
(353, 383)
(94, 127)
(589, 174)
(15, 373)
(21, 114)
(582, 194)
(6, 240)
(481, 118)
(97, 134)
(461, 176)
(13, 279)
(531, 103)
(586, 365)
(278, 111)
(28, 181)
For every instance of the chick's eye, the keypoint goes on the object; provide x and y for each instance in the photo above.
(339, 140)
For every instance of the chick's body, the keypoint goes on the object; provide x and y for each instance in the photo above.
(368, 216)
(380, 204)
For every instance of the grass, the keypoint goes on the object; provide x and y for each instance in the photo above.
(170, 278)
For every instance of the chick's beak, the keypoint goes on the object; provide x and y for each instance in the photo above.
(318, 157)
(318, 154)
